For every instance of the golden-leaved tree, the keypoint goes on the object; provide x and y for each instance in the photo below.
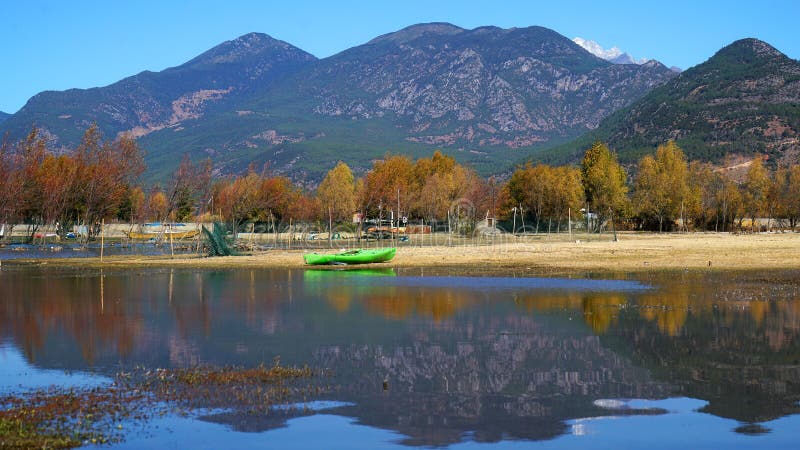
(156, 206)
(337, 193)
(757, 188)
(440, 182)
(604, 183)
(661, 190)
(548, 193)
(388, 183)
(789, 195)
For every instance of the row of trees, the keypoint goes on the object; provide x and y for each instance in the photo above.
(666, 191)
(98, 180)
(427, 189)
(38, 187)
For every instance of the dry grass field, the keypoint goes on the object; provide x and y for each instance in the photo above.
(633, 252)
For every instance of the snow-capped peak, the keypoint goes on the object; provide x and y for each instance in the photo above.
(614, 54)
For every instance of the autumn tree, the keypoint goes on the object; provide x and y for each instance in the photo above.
(336, 193)
(255, 198)
(756, 190)
(11, 185)
(32, 152)
(386, 184)
(784, 196)
(156, 206)
(105, 170)
(189, 188)
(661, 188)
(302, 207)
(790, 196)
(440, 182)
(276, 197)
(531, 189)
(604, 183)
(569, 193)
(483, 193)
(701, 183)
(133, 206)
(546, 192)
(239, 199)
(57, 177)
(729, 202)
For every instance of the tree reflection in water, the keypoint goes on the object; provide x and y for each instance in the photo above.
(459, 360)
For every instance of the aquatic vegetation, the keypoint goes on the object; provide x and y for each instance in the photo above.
(66, 418)
(254, 389)
(71, 417)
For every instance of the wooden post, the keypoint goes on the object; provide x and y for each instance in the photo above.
(199, 228)
(449, 231)
(398, 217)
(613, 227)
(587, 221)
(102, 293)
(514, 223)
(171, 247)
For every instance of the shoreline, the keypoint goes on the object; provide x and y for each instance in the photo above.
(632, 253)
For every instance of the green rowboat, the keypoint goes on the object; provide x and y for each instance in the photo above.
(360, 256)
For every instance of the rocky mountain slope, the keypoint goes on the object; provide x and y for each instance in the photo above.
(482, 87)
(151, 101)
(744, 99)
(487, 95)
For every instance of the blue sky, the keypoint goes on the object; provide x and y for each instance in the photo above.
(56, 45)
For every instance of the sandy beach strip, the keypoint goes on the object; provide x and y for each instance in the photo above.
(634, 252)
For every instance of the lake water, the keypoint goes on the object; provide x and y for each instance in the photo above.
(431, 358)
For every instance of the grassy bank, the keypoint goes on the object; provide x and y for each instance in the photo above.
(633, 252)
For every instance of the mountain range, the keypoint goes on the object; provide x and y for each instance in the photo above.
(4, 116)
(487, 96)
(490, 97)
(743, 100)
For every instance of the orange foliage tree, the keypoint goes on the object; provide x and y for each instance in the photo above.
(11, 185)
(104, 172)
(256, 198)
(387, 184)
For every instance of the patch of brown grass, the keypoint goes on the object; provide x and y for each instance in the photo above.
(634, 252)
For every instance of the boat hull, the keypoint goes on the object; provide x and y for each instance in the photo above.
(351, 257)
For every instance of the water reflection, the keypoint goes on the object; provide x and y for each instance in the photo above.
(439, 360)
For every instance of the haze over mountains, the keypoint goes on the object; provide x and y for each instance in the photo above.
(490, 97)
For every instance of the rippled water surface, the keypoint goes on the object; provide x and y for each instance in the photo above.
(414, 359)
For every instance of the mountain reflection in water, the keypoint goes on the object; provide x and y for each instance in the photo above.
(434, 358)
